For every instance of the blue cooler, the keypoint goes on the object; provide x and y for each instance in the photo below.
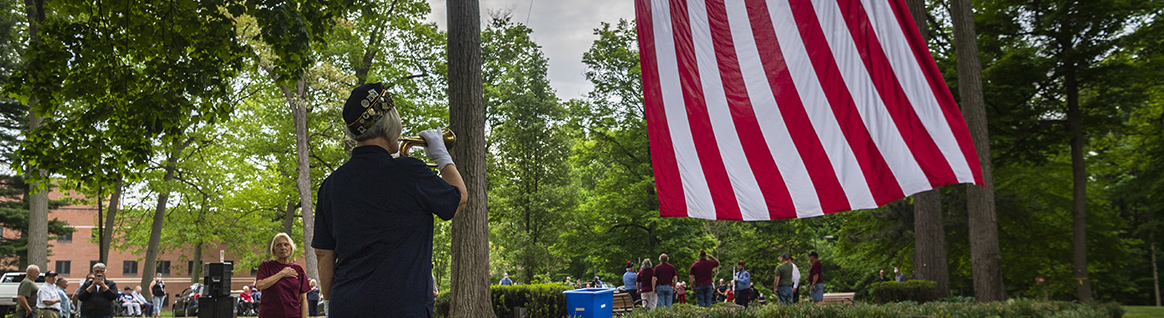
(590, 302)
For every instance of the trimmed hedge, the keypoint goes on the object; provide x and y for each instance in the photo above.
(920, 291)
(540, 301)
(1004, 309)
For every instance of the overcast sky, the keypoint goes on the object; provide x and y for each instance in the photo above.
(564, 29)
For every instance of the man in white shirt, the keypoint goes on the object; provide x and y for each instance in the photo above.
(795, 283)
(146, 306)
(48, 301)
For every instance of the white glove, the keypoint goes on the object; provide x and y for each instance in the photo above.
(436, 148)
(323, 303)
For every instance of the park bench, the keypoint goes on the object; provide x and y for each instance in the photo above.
(841, 298)
(623, 304)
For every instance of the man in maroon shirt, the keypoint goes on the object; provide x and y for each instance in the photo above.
(701, 277)
(815, 282)
(664, 281)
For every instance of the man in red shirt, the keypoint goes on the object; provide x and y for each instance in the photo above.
(815, 282)
(701, 277)
(665, 281)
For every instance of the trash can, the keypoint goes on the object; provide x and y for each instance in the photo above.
(590, 302)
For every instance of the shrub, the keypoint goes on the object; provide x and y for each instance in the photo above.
(920, 291)
(540, 301)
(1007, 309)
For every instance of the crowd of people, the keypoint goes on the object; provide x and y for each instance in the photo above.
(657, 285)
(96, 297)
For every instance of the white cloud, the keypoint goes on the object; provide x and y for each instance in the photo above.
(564, 29)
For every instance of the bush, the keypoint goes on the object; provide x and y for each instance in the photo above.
(920, 291)
(540, 301)
(1005, 309)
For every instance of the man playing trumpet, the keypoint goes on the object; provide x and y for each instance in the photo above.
(373, 223)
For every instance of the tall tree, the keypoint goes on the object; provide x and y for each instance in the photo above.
(528, 176)
(38, 187)
(470, 245)
(929, 228)
(986, 258)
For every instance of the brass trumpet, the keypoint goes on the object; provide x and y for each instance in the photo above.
(407, 143)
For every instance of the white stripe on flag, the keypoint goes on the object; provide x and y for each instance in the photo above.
(905, 66)
(780, 144)
(695, 189)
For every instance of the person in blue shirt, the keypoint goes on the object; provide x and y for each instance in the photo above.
(628, 281)
(505, 279)
(742, 281)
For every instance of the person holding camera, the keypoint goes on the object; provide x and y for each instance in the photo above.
(97, 295)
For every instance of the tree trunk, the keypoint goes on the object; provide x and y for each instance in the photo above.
(985, 256)
(289, 217)
(38, 199)
(298, 102)
(151, 258)
(1155, 274)
(930, 241)
(110, 217)
(196, 271)
(1079, 176)
(470, 231)
(929, 227)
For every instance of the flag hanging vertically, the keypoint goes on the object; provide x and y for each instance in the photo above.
(776, 109)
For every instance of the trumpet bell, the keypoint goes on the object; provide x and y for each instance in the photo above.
(406, 144)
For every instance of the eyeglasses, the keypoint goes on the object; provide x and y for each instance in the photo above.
(382, 102)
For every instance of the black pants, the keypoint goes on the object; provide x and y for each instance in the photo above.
(742, 296)
(634, 293)
(795, 296)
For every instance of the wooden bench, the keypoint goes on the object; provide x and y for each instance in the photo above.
(841, 298)
(623, 304)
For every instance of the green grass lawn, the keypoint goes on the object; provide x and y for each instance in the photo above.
(1143, 312)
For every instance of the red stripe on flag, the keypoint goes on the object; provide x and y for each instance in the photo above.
(764, 168)
(920, 143)
(672, 202)
(950, 109)
(722, 195)
(882, 183)
(816, 161)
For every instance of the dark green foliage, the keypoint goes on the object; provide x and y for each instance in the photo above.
(14, 215)
(920, 291)
(540, 301)
(1008, 309)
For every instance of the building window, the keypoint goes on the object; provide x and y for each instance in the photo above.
(64, 267)
(67, 238)
(190, 268)
(164, 268)
(254, 270)
(93, 263)
(129, 268)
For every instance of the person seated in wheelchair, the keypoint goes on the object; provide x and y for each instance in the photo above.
(246, 302)
(127, 301)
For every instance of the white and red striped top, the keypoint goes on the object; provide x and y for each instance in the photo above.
(764, 110)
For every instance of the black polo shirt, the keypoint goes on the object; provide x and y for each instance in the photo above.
(376, 212)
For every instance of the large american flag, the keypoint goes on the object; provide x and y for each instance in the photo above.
(764, 110)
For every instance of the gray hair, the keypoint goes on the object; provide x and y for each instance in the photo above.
(289, 240)
(62, 280)
(663, 258)
(101, 265)
(388, 126)
(32, 267)
(646, 264)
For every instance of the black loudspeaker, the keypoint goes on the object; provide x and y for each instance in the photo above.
(217, 279)
(216, 307)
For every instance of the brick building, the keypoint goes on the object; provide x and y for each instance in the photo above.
(72, 256)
